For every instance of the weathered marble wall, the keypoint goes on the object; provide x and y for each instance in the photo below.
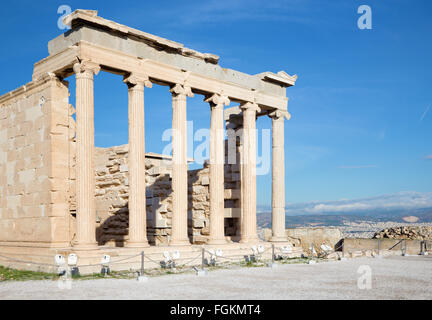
(34, 164)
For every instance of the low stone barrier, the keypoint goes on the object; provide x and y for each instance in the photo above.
(130, 259)
(392, 245)
(304, 237)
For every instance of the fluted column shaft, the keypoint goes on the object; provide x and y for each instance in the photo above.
(217, 160)
(136, 161)
(248, 174)
(179, 221)
(85, 183)
(278, 177)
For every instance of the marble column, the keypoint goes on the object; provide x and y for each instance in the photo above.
(136, 162)
(217, 160)
(179, 221)
(85, 183)
(278, 175)
(248, 227)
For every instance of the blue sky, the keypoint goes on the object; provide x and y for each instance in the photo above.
(361, 110)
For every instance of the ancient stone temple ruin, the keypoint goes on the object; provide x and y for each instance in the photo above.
(58, 193)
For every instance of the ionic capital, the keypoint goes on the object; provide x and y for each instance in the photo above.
(217, 100)
(86, 67)
(134, 80)
(279, 114)
(250, 106)
(179, 89)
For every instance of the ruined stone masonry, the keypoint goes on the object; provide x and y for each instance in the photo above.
(58, 193)
(406, 232)
(112, 195)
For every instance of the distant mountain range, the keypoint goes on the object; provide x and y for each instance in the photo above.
(399, 207)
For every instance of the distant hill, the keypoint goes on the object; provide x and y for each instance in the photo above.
(411, 205)
(335, 219)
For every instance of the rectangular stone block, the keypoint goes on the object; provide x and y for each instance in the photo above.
(33, 113)
(205, 180)
(57, 210)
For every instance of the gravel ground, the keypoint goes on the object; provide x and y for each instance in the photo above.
(392, 278)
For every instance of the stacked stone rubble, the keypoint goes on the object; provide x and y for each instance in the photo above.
(112, 194)
(199, 205)
(406, 232)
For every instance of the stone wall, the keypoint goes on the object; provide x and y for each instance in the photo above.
(317, 236)
(199, 203)
(34, 164)
(385, 245)
(112, 193)
(304, 237)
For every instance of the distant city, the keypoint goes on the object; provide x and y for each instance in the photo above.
(353, 224)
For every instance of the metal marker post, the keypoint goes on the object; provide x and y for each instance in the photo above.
(312, 250)
(379, 245)
(202, 272)
(312, 261)
(142, 263)
(273, 264)
(273, 253)
(141, 276)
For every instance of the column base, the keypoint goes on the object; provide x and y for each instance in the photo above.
(250, 240)
(85, 246)
(59, 245)
(137, 244)
(278, 239)
(216, 241)
(179, 242)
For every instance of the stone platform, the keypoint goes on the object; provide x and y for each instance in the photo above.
(124, 259)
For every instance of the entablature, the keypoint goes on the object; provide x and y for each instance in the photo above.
(123, 50)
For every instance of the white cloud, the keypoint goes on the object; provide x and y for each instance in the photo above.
(358, 167)
(428, 157)
(216, 12)
(424, 113)
(408, 200)
(338, 207)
